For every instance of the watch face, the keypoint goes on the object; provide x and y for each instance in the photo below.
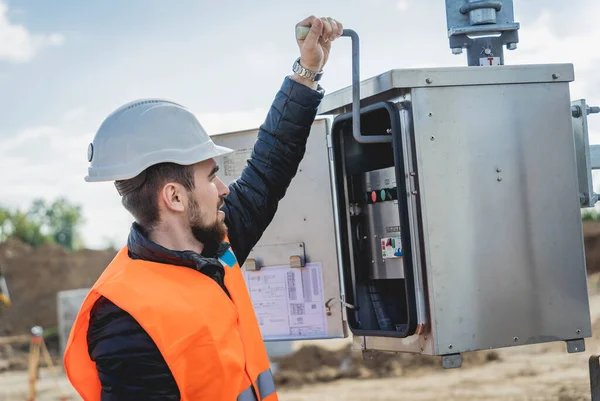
(297, 67)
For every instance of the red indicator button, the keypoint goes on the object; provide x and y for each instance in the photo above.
(374, 196)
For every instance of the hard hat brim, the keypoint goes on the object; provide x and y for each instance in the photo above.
(133, 167)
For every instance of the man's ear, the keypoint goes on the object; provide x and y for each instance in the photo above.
(173, 197)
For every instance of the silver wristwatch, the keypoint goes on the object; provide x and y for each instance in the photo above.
(303, 72)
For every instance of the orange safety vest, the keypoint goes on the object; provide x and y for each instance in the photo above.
(211, 343)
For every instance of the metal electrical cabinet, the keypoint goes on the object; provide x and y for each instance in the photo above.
(488, 206)
(451, 222)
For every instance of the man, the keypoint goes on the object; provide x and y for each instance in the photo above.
(171, 318)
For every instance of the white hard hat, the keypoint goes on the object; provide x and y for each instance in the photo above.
(145, 132)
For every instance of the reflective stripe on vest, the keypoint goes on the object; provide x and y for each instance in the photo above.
(265, 384)
(211, 343)
(248, 395)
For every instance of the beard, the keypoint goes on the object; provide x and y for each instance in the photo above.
(211, 235)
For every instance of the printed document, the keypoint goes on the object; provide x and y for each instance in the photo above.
(288, 301)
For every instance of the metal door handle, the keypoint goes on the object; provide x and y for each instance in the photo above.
(301, 33)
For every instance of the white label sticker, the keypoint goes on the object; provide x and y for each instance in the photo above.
(391, 247)
(288, 301)
(489, 61)
(235, 162)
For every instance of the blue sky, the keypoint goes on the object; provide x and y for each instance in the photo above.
(65, 65)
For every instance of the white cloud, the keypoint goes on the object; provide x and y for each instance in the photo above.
(55, 39)
(45, 160)
(540, 41)
(74, 114)
(402, 5)
(50, 162)
(17, 44)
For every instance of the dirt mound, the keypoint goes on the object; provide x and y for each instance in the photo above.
(574, 392)
(35, 276)
(591, 234)
(312, 364)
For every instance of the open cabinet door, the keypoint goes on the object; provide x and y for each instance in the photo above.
(293, 272)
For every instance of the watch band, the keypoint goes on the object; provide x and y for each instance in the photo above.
(306, 73)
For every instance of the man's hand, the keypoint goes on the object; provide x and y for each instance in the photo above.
(316, 47)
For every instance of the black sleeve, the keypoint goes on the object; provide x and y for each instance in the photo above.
(130, 366)
(280, 146)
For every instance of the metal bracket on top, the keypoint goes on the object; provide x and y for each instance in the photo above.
(482, 27)
(292, 254)
(452, 361)
(575, 346)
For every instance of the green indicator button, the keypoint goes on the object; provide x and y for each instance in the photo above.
(382, 194)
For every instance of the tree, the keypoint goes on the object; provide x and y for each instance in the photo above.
(27, 230)
(61, 219)
(42, 223)
(4, 224)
